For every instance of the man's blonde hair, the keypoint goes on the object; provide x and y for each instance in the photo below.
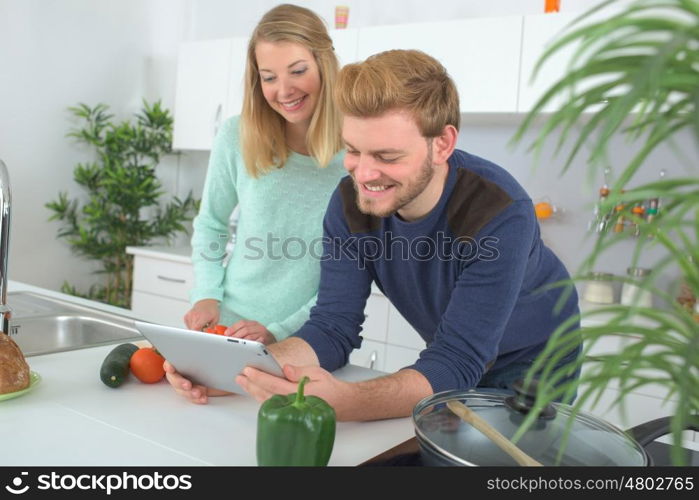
(262, 129)
(409, 80)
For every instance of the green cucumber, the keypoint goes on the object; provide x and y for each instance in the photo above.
(115, 367)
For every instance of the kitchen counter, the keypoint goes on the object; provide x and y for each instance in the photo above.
(72, 418)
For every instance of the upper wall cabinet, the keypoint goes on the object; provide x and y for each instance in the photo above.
(539, 31)
(236, 76)
(209, 89)
(481, 55)
(490, 59)
(201, 92)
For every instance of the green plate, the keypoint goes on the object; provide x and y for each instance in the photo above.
(34, 379)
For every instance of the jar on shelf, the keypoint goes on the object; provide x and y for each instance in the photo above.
(632, 293)
(599, 288)
(686, 297)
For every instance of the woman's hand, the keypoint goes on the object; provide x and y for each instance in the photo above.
(204, 313)
(250, 330)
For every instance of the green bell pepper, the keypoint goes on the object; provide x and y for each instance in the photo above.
(295, 430)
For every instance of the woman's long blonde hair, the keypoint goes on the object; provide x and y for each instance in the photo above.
(262, 129)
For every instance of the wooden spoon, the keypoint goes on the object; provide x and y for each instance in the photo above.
(469, 416)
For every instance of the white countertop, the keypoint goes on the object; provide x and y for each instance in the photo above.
(175, 254)
(72, 418)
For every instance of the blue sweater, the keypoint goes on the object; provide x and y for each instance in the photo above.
(465, 276)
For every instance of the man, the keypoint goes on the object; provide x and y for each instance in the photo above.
(470, 281)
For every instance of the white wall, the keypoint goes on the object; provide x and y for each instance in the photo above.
(54, 54)
(223, 18)
(574, 192)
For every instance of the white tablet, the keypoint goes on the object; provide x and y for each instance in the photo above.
(208, 359)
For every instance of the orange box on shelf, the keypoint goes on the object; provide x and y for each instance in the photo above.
(552, 5)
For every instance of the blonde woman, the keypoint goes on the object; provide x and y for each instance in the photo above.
(279, 161)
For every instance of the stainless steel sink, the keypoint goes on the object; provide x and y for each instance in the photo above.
(42, 325)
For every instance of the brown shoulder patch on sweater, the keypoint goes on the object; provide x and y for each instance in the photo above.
(474, 202)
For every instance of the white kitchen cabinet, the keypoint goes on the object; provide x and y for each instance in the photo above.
(401, 333)
(376, 318)
(371, 354)
(481, 55)
(210, 85)
(539, 31)
(209, 89)
(398, 357)
(639, 409)
(162, 279)
(201, 92)
(157, 309)
(236, 76)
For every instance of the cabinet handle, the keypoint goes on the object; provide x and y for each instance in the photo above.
(217, 118)
(172, 280)
(372, 359)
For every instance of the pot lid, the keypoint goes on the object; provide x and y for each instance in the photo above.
(590, 441)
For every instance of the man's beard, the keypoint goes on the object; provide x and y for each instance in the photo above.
(410, 190)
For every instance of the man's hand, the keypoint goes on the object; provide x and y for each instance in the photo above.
(197, 394)
(204, 313)
(250, 330)
(262, 386)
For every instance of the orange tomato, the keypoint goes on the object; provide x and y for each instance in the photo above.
(147, 365)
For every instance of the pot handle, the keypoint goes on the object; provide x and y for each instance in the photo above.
(525, 398)
(648, 432)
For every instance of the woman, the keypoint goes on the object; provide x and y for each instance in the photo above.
(279, 161)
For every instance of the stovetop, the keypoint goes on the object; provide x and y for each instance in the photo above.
(408, 454)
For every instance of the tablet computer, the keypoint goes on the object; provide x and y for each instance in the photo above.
(208, 359)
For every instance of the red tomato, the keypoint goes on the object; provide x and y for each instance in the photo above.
(147, 365)
(217, 330)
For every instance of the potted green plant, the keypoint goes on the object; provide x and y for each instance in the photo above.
(634, 73)
(123, 206)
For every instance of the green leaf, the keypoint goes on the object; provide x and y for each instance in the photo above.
(636, 74)
(118, 186)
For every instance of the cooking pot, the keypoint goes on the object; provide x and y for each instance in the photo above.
(445, 439)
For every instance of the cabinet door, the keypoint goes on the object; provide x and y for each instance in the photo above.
(202, 87)
(481, 55)
(539, 31)
(157, 309)
(639, 409)
(399, 357)
(400, 332)
(376, 318)
(370, 355)
(236, 76)
(162, 277)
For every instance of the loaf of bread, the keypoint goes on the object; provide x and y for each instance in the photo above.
(14, 370)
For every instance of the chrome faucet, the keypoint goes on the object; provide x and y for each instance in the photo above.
(5, 199)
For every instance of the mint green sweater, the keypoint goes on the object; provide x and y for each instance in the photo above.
(273, 275)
